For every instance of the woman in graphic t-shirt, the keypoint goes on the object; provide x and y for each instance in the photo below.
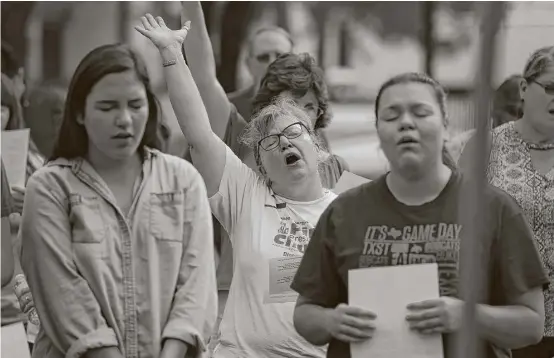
(410, 216)
(269, 218)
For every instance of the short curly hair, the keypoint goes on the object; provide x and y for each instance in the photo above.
(297, 73)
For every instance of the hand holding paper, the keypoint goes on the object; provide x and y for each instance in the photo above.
(387, 291)
(441, 315)
(351, 324)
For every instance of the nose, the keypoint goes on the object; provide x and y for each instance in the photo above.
(406, 121)
(124, 118)
(284, 143)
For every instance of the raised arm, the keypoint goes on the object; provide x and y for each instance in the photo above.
(69, 312)
(201, 61)
(208, 151)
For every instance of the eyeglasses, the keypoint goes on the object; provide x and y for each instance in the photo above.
(272, 141)
(548, 89)
(266, 57)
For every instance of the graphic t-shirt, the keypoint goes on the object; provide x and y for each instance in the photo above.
(367, 227)
(269, 235)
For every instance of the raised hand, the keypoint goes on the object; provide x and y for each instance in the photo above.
(161, 36)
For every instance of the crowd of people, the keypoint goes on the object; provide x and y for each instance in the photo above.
(115, 249)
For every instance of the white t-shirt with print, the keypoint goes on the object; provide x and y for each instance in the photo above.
(265, 230)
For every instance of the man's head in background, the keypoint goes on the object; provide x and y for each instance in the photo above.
(13, 68)
(507, 103)
(264, 46)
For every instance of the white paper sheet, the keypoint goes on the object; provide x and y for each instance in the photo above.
(15, 148)
(348, 181)
(387, 291)
(281, 274)
(14, 342)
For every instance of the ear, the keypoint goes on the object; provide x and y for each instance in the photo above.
(80, 120)
(523, 85)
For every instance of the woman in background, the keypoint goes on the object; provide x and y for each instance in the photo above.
(16, 305)
(12, 119)
(507, 106)
(114, 231)
(522, 163)
(43, 114)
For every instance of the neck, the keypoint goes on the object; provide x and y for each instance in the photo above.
(305, 190)
(531, 134)
(419, 188)
(106, 166)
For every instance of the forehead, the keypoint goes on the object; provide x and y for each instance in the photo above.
(270, 41)
(117, 86)
(281, 123)
(408, 93)
(308, 98)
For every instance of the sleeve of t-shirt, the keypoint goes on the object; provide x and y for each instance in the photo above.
(519, 261)
(7, 201)
(233, 132)
(238, 184)
(317, 278)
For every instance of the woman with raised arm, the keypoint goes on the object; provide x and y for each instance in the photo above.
(411, 216)
(269, 218)
(114, 231)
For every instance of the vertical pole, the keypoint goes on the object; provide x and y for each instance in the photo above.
(429, 35)
(474, 262)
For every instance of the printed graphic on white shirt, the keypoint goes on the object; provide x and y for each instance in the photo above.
(292, 239)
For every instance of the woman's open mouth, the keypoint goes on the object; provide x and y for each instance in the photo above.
(291, 158)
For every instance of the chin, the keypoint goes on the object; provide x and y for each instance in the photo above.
(410, 163)
(123, 154)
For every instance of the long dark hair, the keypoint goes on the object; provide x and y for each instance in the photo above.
(440, 94)
(72, 140)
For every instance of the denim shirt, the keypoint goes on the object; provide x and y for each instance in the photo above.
(100, 279)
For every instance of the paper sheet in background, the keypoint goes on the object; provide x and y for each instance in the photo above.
(387, 291)
(15, 148)
(281, 274)
(14, 341)
(348, 181)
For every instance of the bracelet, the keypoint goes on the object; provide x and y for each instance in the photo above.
(169, 63)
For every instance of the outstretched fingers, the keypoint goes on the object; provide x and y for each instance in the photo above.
(152, 21)
(161, 21)
(142, 31)
(145, 23)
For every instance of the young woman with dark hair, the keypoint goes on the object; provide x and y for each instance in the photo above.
(114, 231)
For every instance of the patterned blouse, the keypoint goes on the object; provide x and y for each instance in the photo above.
(511, 169)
